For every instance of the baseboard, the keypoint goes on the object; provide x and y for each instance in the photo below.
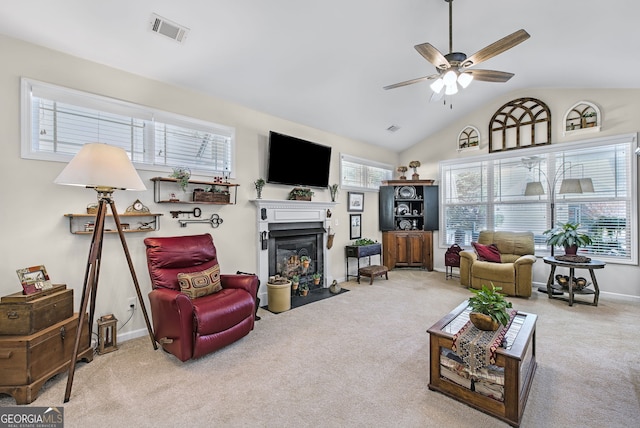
(123, 337)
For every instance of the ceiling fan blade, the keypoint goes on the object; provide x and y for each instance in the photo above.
(490, 75)
(412, 81)
(496, 48)
(433, 55)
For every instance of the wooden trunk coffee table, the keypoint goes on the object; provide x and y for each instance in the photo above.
(518, 359)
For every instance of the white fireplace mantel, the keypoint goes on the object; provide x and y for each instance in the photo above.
(287, 211)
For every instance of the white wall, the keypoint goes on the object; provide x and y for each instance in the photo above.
(620, 112)
(34, 230)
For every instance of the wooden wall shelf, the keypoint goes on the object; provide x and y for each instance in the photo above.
(78, 227)
(230, 188)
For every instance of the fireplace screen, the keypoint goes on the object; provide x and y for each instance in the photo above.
(289, 248)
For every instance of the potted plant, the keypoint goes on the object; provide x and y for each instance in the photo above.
(567, 235)
(259, 183)
(333, 189)
(414, 165)
(402, 169)
(295, 281)
(304, 289)
(488, 308)
(300, 194)
(183, 175)
(305, 261)
(316, 278)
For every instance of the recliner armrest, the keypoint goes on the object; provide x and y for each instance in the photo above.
(172, 313)
(245, 282)
(469, 255)
(527, 259)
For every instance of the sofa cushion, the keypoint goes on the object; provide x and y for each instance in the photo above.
(487, 253)
(199, 284)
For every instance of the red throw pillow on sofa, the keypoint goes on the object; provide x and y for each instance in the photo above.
(487, 253)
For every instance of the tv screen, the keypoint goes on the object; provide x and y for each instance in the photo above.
(297, 162)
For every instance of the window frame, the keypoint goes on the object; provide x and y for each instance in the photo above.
(488, 200)
(366, 164)
(150, 115)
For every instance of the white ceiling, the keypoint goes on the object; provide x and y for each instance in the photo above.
(324, 63)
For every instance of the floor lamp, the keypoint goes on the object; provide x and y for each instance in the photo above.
(567, 185)
(106, 169)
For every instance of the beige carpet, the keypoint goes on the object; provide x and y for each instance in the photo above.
(361, 359)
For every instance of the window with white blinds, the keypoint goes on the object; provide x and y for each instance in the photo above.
(488, 193)
(362, 174)
(58, 121)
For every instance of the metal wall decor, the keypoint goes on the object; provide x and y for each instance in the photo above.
(521, 123)
(468, 139)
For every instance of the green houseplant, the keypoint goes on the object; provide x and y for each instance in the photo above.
(295, 281)
(301, 194)
(316, 278)
(569, 236)
(489, 302)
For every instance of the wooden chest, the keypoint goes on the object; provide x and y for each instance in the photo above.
(27, 362)
(27, 314)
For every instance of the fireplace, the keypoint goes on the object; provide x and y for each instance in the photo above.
(289, 243)
(288, 230)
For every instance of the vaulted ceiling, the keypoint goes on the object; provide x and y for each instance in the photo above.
(324, 63)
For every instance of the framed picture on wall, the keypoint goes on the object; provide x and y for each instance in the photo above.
(355, 202)
(355, 226)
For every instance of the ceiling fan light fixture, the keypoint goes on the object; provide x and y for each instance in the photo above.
(437, 85)
(450, 78)
(451, 89)
(465, 79)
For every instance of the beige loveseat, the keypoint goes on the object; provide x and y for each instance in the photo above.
(515, 272)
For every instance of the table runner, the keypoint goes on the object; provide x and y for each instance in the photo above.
(476, 347)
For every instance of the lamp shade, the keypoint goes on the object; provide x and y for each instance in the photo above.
(570, 185)
(101, 166)
(587, 185)
(534, 189)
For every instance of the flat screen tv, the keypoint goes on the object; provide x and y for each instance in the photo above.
(297, 162)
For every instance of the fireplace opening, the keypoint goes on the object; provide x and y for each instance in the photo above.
(289, 243)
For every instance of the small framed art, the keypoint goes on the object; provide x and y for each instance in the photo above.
(355, 202)
(34, 279)
(355, 226)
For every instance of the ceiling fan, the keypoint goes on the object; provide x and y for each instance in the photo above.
(455, 67)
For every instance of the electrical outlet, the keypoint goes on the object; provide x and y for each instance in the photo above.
(132, 303)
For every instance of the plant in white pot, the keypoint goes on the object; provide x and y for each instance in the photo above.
(491, 304)
(569, 236)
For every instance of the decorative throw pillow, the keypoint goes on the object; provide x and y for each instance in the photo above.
(487, 253)
(198, 284)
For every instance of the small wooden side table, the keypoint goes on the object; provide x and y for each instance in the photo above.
(591, 265)
(360, 251)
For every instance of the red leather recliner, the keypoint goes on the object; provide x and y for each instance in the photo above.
(192, 328)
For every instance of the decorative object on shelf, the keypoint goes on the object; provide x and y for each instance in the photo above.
(583, 116)
(104, 168)
(490, 302)
(196, 212)
(355, 202)
(304, 289)
(414, 165)
(468, 138)
(355, 226)
(259, 183)
(316, 278)
(407, 192)
(34, 279)
(333, 189)
(137, 207)
(107, 334)
(527, 119)
(215, 220)
(211, 193)
(295, 282)
(567, 235)
(300, 194)
(92, 208)
(402, 169)
(182, 174)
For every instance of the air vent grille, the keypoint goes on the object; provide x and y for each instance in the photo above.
(163, 26)
(393, 128)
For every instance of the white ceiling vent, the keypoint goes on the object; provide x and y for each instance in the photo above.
(393, 128)
(163, 26)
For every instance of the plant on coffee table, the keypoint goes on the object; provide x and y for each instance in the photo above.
(490, 302)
